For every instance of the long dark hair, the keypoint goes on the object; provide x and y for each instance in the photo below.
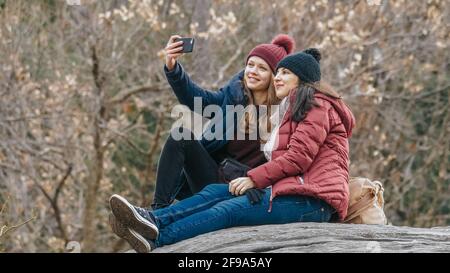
(304, 98)
(304, 102)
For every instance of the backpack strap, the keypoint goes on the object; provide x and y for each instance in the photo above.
(361, 205)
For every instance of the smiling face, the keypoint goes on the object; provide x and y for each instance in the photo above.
(257, 74)
(284, 82)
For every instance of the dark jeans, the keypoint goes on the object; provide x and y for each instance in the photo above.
(215, 208)
(182, 158)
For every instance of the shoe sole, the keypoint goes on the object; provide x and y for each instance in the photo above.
(127, 214)
(136, 241)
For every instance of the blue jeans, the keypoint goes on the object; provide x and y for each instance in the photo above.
(216, 208)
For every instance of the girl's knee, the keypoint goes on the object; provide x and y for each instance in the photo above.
(215, 191)
(215, 188)
(180, 135)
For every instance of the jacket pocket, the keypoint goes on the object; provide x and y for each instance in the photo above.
(319, 215)
(312, 216)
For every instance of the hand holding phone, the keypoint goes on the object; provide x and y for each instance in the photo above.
(176, 47)
(188, 44)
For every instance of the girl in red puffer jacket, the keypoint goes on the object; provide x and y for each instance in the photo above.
(311, 152)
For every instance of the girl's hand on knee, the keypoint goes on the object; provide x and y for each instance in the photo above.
(240, 185)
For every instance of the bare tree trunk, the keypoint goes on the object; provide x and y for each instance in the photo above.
(97, 167)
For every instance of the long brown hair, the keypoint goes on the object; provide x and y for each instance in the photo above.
(249, 120)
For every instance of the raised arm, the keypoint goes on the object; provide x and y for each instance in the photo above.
(184, 88)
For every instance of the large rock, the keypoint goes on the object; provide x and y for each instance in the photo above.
(317, 237)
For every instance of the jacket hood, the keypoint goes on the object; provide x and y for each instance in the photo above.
(344, 112)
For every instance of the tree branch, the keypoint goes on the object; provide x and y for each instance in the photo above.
(232, 60)
(54, 202)
(5, 229)
(125, 94)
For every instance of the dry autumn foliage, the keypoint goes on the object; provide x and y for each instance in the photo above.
(85, 107)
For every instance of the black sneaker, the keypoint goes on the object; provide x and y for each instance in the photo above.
(136, 241)
(135, 218)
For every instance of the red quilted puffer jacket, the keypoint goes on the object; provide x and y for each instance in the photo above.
(312, 156)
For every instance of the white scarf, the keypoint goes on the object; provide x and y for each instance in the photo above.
(276, 119)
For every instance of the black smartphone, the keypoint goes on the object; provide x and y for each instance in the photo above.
(188, 44)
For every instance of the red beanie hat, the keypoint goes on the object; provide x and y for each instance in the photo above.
(274, 52)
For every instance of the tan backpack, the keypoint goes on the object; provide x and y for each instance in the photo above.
(366, 202)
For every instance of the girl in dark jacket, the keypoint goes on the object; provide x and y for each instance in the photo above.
(305, 179)
(186, 166)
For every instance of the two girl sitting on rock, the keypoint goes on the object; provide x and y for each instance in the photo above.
(301, 175)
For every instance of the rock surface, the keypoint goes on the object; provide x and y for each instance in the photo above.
(317, 237)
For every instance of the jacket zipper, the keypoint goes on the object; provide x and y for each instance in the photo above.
(300, 178)
(271, 199)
